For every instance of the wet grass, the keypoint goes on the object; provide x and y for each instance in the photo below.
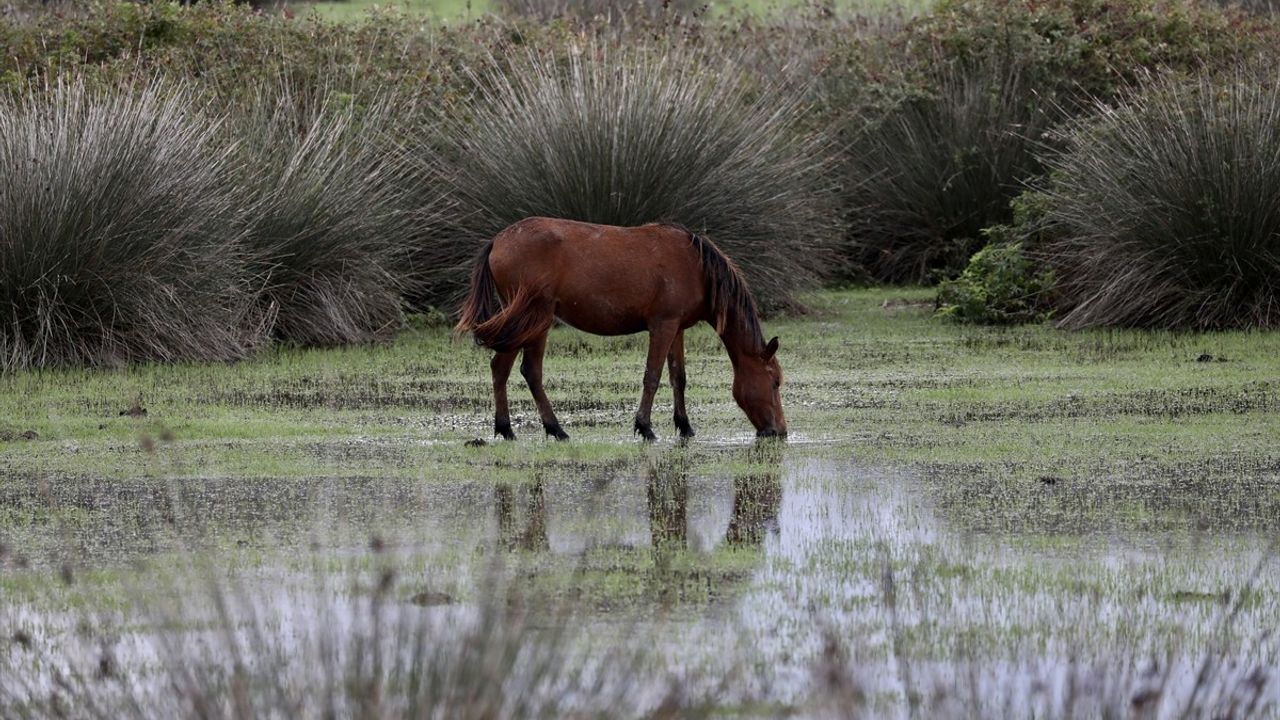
(856, 371)
(1043, 505)
(1019, 428)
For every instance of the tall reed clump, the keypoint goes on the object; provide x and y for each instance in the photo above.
(953, 125)
(627, 137)
(118, 233)
(1164, 212)
(927, 175)
(329, 221)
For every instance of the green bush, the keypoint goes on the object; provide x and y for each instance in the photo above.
(999, 286)
(614, 11)
(227, 48)
(1077, 51)
(954, 129)
(1165, 213)
(626, 137)
(118, 233)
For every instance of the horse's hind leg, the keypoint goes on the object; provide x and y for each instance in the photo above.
(675, 367)
(661, 336)
(531, 369)
(501, 367)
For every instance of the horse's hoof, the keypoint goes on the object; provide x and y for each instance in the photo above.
(643, 430)
(686, 430)
(555, 431)
(504, 429)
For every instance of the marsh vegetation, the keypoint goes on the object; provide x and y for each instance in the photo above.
(246, 471)
(963, 518)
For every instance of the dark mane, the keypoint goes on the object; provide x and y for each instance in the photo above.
(728, 296)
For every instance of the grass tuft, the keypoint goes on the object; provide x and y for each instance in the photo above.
(330, 224)
(118, 237)
(938, 166)
(629, 137)
(1163, 213)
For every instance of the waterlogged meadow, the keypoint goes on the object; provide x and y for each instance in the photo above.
(964, 521)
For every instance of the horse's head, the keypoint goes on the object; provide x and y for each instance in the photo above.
(757, 379)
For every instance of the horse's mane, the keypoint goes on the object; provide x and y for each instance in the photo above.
(727, 292)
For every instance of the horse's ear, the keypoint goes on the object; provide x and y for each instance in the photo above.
(771, 348)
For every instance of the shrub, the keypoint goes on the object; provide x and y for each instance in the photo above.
(118, 234)
(329, 222)
(614, 11)
(1164, 212)
(626, 137)
(1079, 50)
(954, 130)
(229, 47)
(940, 165)
(999, 286)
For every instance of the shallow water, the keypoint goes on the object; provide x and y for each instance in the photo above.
(776, 575)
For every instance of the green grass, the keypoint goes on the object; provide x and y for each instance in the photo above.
(891, 382)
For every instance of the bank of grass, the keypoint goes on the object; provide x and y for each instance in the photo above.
(118, 231)
(1146, 229)
(961, 101)
(868, 370)
(985, 79)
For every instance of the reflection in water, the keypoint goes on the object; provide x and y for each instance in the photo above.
(533, 536)
(668, 500)
(808, 602)
(757, 497)
(521, 511)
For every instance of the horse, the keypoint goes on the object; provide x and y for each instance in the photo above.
(607, 280)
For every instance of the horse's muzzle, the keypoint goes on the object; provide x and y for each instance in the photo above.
(772, 433)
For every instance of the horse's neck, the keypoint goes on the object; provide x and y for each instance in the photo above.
(737, 341)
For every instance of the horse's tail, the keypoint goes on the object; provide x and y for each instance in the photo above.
(498, 327)
(522, 321)
(482, 302)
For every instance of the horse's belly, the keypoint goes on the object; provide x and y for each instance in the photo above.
(600, 316)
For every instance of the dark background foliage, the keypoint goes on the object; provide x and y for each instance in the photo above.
(381, 153)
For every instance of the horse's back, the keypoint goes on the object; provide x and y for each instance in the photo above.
(603, 279)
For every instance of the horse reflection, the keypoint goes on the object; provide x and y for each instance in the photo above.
(533, 535)
(757, 497)
(668, 503)
(521, 510)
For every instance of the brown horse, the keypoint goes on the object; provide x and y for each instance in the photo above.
(611, 280)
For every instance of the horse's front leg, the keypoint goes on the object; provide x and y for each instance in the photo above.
(661, 335)
(675, 368)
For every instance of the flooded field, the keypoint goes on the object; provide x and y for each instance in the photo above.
(963, 523)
